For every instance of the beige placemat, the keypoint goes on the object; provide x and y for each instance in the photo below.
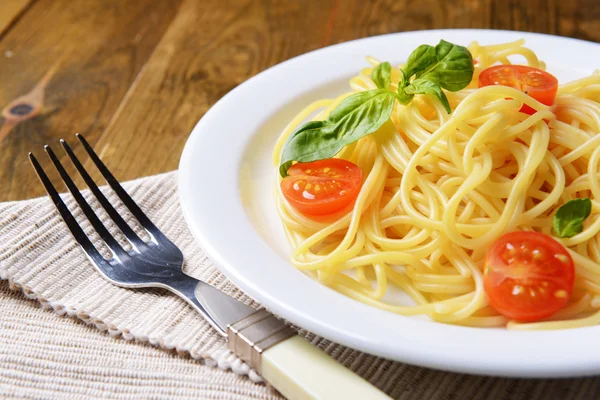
(44, 355)
(39, 257)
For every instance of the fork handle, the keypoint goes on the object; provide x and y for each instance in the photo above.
(216, 307)
(297, 369)
(301, 371)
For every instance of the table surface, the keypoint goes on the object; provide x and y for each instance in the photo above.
(135, 76)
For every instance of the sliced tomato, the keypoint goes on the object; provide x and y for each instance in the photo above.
(322, 187)
(535, 82)
(528, 276)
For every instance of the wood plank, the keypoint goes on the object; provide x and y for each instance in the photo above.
(210, 47)
(97, 49)
(192, 69)
(9, 10)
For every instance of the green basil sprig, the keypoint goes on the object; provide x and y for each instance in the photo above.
(568, 219)
(445, 66)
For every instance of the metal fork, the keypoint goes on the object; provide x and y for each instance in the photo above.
(158, 263)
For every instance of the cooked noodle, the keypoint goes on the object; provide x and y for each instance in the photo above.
(439, 188)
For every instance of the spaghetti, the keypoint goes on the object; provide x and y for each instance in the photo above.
(439, 188)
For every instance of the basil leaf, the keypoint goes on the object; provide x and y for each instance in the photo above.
(358, 115)
(307, 127)
(420, 59)
(568, 219)
(381, 75)
(362, 104)
(454, 67)
(422, 86)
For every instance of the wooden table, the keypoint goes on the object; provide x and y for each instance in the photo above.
(134, 76)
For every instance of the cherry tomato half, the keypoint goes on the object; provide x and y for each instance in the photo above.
(322, 187)
(537, 83)
(528, 276)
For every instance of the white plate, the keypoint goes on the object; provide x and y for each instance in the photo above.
(226, 190)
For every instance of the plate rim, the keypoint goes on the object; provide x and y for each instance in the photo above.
(570, 361)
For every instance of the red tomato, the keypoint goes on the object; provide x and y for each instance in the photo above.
(537, 83)
(322, 187)
(528, 276)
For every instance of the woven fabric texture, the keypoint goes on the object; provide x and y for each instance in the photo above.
(45, 356)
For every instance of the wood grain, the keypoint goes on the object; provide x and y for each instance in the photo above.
(136, 76)
(10, 11)
(182, 81)
(100, 47)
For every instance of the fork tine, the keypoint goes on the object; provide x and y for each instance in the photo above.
(119, 221)
(125, 198)
(66, 215)
(110, 241)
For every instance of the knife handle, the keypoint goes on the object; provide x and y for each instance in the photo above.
(300, 371)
